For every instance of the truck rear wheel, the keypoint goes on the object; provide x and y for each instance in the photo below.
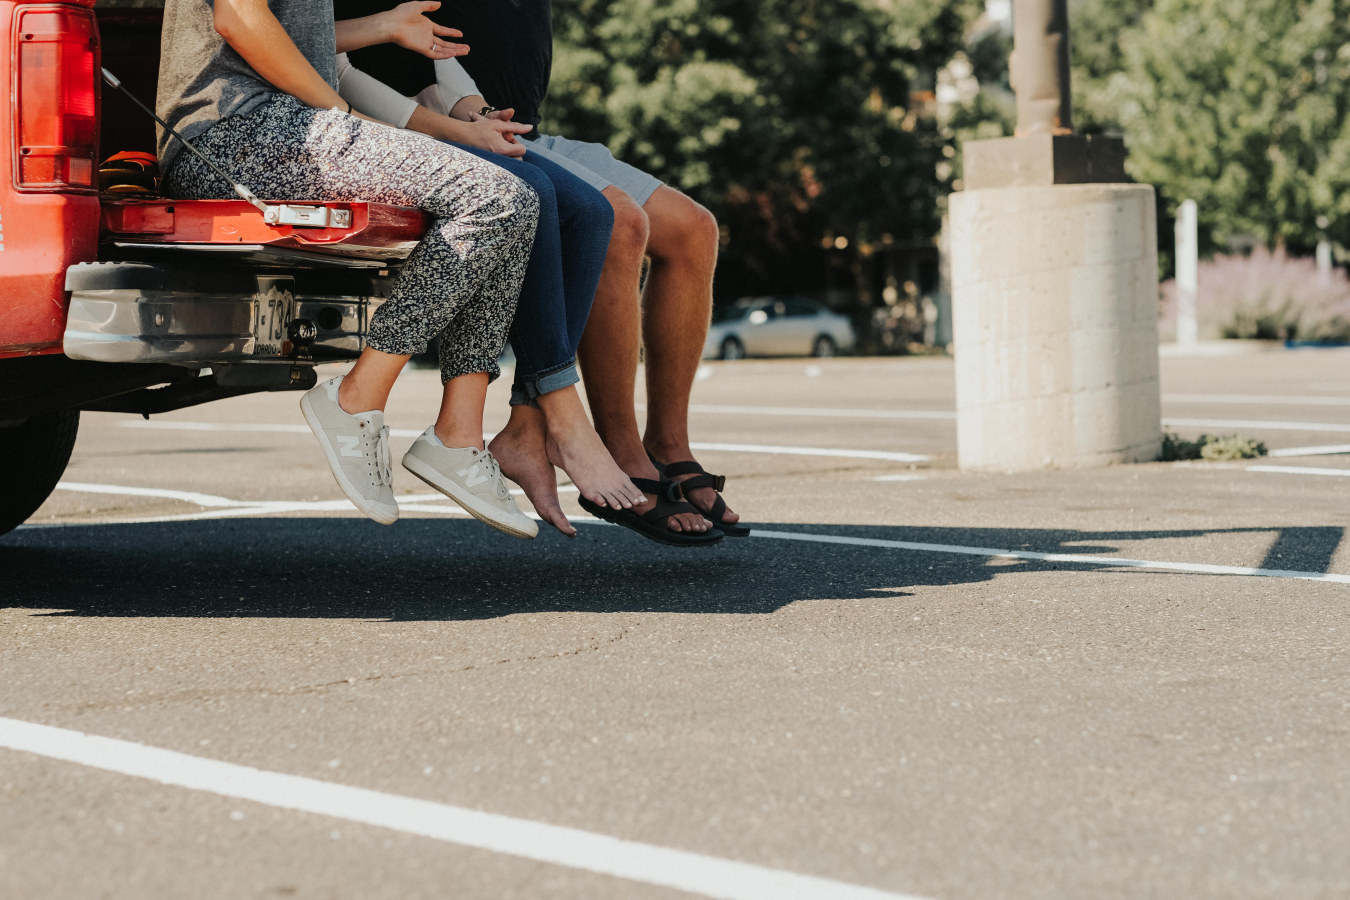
(35, 454)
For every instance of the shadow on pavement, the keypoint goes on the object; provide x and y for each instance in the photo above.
(439, 569)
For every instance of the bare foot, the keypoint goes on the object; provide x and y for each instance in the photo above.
(691, 523)
(574, 447)
(521, 452)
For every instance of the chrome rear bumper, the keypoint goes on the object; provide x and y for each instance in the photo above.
(143, 312)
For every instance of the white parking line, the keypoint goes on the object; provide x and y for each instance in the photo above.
(831, 452)
(246, 508)
(406, 432)
(1325, 450)
(1299, 470)
(820, 412)
(708, 876)
(1256, 399)
(1261, 425)
(225, 508)
(1109, 561)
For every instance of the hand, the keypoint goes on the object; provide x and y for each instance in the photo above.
(497, 133)
(410, 28)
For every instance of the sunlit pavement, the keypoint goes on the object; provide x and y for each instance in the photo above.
(910, 681)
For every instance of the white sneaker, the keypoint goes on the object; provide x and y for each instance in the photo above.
(471, 478)
(357, 449)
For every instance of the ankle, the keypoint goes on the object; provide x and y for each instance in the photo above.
(667, 451)
(458, 438)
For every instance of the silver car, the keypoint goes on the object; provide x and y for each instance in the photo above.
(777, 326)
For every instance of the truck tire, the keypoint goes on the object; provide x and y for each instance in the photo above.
(35, 454)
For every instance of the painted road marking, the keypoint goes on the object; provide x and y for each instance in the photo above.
(1326, 450)
(820, 412)
(225, 508)
(891, 456)
(1256, 399)
(1051, 557)
(708, 876)
(1258, 425)
(1299, 470)
(245, 508)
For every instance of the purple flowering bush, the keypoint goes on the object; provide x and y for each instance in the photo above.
(1268, 295)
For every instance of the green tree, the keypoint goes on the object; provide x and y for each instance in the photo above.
(1243, 107)
(791, 119)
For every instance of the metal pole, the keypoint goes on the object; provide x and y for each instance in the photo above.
(1040, 67)
(1188, 270)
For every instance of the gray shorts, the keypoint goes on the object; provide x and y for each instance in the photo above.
(595, 165)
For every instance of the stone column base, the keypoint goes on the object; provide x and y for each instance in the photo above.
(1055, 308)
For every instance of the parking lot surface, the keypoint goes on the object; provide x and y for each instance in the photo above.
(218, 680)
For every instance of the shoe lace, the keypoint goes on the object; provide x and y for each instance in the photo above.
(384, 470)
(494, 472)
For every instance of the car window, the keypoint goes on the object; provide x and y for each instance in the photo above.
(796, 306)
(733, 312)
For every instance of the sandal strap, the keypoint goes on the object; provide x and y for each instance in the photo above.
(669, 490)
(702, 478)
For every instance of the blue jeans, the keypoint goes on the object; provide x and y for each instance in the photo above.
(575, 222)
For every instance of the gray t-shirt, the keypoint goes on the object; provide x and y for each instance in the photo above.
(203, 80)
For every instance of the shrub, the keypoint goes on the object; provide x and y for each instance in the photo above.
(1211, 447)
(1268, 295)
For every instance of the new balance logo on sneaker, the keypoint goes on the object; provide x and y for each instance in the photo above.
(360, 463)
(471, 478)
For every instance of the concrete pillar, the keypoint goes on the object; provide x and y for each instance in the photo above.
(1055, 306)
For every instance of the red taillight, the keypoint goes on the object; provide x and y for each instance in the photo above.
(56, 122)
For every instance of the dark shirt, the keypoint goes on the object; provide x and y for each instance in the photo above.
(510, 51)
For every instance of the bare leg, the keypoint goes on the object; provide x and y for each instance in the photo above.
(677, 305)
(460, 421)
(609, 351)
(369, 382)
(521, 450)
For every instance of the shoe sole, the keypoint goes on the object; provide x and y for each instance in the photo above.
(634, 522)
(344, 483)
(470, 503)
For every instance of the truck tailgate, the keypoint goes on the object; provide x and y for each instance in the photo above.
(375, 231)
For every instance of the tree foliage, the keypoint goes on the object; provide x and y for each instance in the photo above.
(791, 119)
(1241, 106)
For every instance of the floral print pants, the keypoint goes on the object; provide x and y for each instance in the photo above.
(460, 282)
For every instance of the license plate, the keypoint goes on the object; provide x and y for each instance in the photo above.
(275, 308)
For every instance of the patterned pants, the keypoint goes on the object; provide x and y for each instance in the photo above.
(461, 281)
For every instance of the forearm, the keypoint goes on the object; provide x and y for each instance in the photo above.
(254, 32)
(441, 127)
(372, 97)
(465, 105)
(353, 34)
(458, 91)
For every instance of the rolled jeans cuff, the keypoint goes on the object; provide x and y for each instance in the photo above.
(525, 391)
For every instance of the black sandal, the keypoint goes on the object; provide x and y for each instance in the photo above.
(652, 523)
(701, 479)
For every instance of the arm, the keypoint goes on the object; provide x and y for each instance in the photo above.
(379, 101)
(372, 97)
(406, 25)
(461, 96)
(458, 91)
(253, 31)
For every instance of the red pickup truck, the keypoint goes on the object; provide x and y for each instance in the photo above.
(114, 299)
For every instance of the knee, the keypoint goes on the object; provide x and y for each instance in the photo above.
(692, 230)
(521, 202)
(598, 214)
(630, 231)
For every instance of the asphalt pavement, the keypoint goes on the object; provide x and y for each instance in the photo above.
(218, 680)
